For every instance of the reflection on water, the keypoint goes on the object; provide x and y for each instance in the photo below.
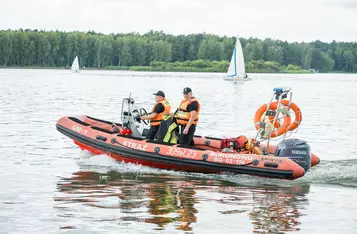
(277, 210)
(34, 156)
(172, 198)
(161, 200)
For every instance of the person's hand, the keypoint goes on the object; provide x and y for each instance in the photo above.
(138, 118)
(185, 131)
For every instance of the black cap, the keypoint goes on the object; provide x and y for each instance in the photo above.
(160, 93)
(187, 90)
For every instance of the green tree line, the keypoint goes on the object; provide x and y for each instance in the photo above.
(96, 50)
(199, 65)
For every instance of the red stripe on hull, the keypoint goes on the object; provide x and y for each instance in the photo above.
(159, 165)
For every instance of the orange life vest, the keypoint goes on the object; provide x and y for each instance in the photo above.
(161, 116)
(240, 144)
(183, 115)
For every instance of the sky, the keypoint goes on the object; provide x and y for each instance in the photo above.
(302, 20)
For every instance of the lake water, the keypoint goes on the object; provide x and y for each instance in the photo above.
(48, 185)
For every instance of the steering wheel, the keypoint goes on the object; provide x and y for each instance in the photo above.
(142, 112)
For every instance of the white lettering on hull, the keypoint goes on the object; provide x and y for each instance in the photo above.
(136, 146)
(236, 159)
(79, 129)
(232, 156)
(187, 153)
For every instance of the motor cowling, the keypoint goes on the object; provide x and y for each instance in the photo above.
(297, 150)
(129, 115)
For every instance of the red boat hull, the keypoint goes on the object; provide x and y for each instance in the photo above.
(97, 136)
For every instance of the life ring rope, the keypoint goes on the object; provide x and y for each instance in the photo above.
(278, 128)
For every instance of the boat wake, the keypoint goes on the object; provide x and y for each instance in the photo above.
(343, 173)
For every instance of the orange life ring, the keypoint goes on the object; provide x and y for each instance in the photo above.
(260, 112)
(286, 126)
(297, 112)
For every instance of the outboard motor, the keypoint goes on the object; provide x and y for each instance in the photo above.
(297, 150)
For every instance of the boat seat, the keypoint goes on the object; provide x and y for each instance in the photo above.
(103, 130)
(79, 121)
(131, 137)
(103, 121)
(160, 142)
(190, 147)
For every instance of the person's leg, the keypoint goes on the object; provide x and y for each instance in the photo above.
(162, 129)
(190, 134)
(187, 139)
(183, 137)
(152, 132)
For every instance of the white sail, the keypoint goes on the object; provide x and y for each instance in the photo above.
(240, 59)
(232, 66)
(237, 66)
(75, 65)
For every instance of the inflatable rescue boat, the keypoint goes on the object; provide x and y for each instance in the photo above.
(126, 142)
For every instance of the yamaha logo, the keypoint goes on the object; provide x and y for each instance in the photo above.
(298, 152)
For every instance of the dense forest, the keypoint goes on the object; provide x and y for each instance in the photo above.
(95, 50)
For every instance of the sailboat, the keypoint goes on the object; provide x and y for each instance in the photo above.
(75, 65)
(236, 70)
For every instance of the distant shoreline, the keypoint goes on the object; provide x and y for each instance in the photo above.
(150, 69)
(147, 69)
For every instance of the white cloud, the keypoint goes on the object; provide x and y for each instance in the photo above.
(351, 4)
(302, 20)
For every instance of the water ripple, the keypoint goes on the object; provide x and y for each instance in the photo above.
(49, 186)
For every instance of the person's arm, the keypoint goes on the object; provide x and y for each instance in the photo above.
(193, 114)
(191, 120)
(158, 109)
(148, 117)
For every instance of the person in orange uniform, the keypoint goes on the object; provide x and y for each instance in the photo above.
(160, 111)
(187, 117)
